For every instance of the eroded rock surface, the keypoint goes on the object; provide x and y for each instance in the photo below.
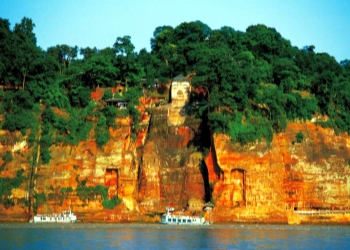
(252, 183)
(261, 183)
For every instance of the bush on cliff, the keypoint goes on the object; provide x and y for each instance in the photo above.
(40, 199)
(90, 192)
(299, 137)
(7, 157)
(7, 184)
(101, 132)
(111, 203)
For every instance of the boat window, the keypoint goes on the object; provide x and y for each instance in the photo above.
(174, 220)
(184, 220)
(178, 220)
(189, 221)
(169, 220)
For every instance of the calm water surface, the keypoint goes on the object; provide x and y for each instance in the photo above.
(154, 236)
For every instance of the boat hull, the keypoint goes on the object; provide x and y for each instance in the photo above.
(64, 217)
(38, 219)
(183, 220)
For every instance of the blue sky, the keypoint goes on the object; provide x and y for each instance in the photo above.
(97, 23)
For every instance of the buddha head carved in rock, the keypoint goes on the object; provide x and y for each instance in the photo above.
(180, 89)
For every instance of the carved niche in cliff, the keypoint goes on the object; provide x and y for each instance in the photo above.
(180, 90)
(237, 180)
(232, 192)
(111, 181)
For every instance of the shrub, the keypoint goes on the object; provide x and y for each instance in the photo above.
(299, 137)
(7, 157)
(107, 94)
(102, 137)
(40, 198)
(18, 120)
(101, 132)
(111, 203)
(133, 137)
(8, 202)
(85, 192)
(45, 155)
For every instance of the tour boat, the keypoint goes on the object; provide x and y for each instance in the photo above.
(181, 218)
(66, 216)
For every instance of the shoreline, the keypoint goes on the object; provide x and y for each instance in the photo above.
(319, 223)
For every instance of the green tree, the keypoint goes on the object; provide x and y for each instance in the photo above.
(126, 61)
(64, 55)
(150, 67)
(6, 52)
(267, 43)
(25, 50)
(99, 70)
(88, 52)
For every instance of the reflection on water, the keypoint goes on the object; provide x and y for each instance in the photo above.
(154, 236)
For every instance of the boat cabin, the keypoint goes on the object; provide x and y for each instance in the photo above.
(181, 218)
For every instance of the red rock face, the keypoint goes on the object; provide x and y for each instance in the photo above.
(149, 192)
(179, 137)
(256, 181)
(170, 168)
(251, 183)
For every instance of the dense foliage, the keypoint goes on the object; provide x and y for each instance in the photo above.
(255, 82)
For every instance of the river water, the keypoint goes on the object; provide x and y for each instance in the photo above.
(156, 236)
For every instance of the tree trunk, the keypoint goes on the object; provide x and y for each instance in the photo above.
(24, 78)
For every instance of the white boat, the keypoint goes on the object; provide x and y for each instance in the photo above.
(66, 216)
(170, 217)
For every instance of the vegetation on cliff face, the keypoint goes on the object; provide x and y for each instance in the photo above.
(90, 192)
(6, 186)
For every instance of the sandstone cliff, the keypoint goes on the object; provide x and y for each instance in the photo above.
(251, 183)
(260, 183)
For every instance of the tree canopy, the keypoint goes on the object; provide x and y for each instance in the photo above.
(255, 81)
